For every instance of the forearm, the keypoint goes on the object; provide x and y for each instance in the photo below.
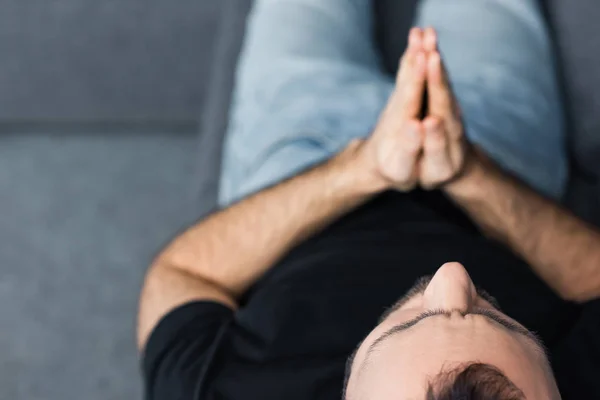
(235, 247)
(563, 250)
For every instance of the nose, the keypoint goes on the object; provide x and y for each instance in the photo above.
(451, 288)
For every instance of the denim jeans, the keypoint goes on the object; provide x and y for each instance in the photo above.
(310, 80)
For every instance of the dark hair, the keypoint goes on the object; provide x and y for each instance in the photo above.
(473, 382)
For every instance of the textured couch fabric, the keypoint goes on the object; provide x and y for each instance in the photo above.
(215, 115)
(105, 60)
(84, 213)
(83, 216)
(577, 35)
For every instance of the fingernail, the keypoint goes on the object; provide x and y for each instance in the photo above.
(433, 33)
(412, 37)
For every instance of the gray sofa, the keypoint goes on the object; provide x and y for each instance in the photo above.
(101, 163)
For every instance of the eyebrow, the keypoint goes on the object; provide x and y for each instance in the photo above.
(490, 314)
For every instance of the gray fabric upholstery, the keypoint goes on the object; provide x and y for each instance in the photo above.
(576, 31)
(82, 217)
(84, 213)
(578, 40)
(105, 60)
(215, 114)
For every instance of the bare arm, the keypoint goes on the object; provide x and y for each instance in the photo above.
(562, 249)
(222, 256)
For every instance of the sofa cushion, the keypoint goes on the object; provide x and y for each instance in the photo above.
(216, 111)
(576, 31)
(109, 60)
(83, 217)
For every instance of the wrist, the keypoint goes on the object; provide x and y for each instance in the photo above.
(359, 173)
(470, 185)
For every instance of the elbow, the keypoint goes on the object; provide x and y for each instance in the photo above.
(578, 293)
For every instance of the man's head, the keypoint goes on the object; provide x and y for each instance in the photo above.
(447, 340)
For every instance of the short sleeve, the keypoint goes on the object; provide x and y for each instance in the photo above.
(576, 360)
(182, 348)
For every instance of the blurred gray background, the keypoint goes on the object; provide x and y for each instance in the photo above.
(101, 103)
(111, 114)
(110, 60)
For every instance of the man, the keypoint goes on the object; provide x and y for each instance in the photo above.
(267, 298)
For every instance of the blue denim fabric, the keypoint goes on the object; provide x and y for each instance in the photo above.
(310, 80)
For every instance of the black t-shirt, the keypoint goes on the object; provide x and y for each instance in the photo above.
(296, 327)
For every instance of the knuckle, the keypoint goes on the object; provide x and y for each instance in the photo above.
(447, 175)
(428, 184)
(436, 143)
(412, 147)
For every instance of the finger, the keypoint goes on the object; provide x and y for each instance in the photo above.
(400, 158)
(458, 149)
(413, 133)
(441, 98)
(407, 99)
(436, 166)
(441, 101)
(415, 45)
(397, 157)
(430, 39)
(408, 153)
(415, 39)
(411, 85)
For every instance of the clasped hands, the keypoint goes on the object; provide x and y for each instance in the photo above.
(407, 149)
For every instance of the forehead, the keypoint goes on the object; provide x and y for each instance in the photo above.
(433, 344)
